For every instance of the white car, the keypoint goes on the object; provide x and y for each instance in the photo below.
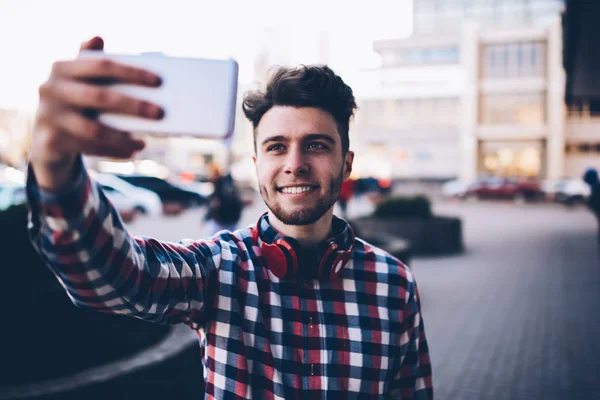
(455, 188)
(126, 206)
(204, 189)
(147, 202)
(567, 191)
(11, 194)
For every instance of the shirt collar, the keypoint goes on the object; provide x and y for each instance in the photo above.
(342, 234)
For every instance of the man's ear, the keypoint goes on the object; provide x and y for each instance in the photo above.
(348, 160)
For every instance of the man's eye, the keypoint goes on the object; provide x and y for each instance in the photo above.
(316, 145)
(275, 147)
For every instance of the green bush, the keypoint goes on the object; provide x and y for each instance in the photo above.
(404, 207)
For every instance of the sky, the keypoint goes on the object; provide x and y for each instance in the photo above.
(35, 33)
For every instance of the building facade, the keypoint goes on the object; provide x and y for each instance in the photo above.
(478, 90)
(408, 121)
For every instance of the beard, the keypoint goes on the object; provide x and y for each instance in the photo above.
(306, 216)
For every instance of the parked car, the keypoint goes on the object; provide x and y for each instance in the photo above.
(173, 197)
(203, 188)
(125, 206)
(567, 191)
(11, 194)
(372, 185)
(456, 188)
(505, 188)
(147, 201)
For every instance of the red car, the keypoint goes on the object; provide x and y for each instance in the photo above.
(506, 188)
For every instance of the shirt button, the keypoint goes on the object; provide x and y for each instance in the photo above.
(310, 322)
(312, 369)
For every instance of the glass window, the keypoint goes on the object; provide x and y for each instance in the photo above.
(505, 60)
(584, 148)
(429, 56)
(514, 60)
(489, 59)
(525, 59)
(538, 59)
(400, 111)
(520, 109)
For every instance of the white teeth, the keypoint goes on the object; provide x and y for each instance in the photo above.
(297, 189)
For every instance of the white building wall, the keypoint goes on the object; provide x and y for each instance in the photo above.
(470, 103)
(549, 133)
(422, 145)
(464, 80)
(410, 82)
(556, 103)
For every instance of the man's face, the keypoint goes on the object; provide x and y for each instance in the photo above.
(299, 163)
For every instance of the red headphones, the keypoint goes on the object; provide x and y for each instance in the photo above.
(283, 261)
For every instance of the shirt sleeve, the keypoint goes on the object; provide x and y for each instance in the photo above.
(83, 240)
(413, 379)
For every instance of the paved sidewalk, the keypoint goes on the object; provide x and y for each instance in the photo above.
(518, 316)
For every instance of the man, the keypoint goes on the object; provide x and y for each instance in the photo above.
(292, 307)
(591, 178)
(224, 205)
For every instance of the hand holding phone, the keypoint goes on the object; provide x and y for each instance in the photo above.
(65, 124)
(197, 95)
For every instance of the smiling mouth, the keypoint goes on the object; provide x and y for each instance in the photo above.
(297, 189)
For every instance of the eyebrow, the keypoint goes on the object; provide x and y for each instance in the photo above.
(312, 136)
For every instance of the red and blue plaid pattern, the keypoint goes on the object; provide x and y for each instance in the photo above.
(359, 336)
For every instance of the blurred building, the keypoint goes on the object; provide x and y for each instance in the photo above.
(582, 66)
(477, 90)
(408, 122)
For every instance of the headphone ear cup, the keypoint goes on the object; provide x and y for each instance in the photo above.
(276, 259)
(291, 248)
(327, 260)
(339, 263)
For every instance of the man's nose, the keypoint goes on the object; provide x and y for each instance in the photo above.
(296, 163)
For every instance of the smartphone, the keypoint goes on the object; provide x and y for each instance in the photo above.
(198, 95)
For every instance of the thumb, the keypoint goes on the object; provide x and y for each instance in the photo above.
(95, 43)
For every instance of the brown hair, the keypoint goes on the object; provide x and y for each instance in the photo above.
(305, 86)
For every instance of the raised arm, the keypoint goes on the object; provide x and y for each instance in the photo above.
(84, 242)
(65, 125)
(74, 226)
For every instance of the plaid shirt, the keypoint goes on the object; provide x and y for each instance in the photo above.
(358, 336)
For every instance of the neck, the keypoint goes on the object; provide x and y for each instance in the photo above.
(307, 235)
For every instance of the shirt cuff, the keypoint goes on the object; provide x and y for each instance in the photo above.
(66, 202)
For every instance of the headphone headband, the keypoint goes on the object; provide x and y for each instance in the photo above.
(282, 255)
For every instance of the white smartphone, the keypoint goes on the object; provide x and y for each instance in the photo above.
(198, 95)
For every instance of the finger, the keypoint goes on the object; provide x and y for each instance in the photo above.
(96, 97)
(92, 137)
(94, 149)
(104, 69)
(95, 43)
(64, 143)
